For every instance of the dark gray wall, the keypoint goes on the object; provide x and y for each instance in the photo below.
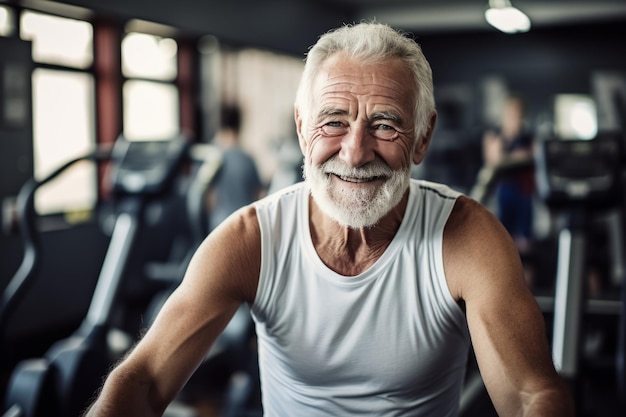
(538, 64)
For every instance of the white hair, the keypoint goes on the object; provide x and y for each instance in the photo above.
(373, 42)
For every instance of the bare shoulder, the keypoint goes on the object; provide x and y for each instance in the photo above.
(478, 251)
(232, 254)
(471, 220)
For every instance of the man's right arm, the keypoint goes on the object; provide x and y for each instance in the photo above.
(222, 274)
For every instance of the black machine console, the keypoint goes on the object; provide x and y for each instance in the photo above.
(146, 167)
(580, 173)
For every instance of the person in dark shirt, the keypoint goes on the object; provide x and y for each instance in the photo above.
(509, 143)
(237, 182)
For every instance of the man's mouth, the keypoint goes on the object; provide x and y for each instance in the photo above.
(358, 179)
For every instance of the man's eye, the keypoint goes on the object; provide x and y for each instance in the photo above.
(334, 129)
(384, 132)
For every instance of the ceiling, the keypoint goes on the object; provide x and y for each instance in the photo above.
(293, 25)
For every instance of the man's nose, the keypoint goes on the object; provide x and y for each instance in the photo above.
(357, 147)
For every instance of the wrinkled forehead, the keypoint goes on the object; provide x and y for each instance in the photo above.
(388, 79)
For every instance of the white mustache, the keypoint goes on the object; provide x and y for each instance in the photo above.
(371, 170)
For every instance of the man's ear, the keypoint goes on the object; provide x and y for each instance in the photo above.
(424, 141)
(299, 126)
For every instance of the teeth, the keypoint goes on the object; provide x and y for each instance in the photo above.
(352, 179)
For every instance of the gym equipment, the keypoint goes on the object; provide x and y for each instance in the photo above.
(579, 179)
(488, 176)
(64, 381)
(35, 377)
(231, 357)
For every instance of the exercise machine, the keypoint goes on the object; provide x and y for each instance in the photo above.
(31, 387)
(229, 370)
(580, 179)
(64, 381)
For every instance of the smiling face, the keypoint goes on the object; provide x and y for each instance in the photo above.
(358, 138)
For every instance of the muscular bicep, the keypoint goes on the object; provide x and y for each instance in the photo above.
(221, 275)
(506, 326)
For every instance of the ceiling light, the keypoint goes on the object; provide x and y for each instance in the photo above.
(506, 18)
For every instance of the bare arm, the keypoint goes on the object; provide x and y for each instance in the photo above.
(222, 274)
(506, 326)
(493, 153)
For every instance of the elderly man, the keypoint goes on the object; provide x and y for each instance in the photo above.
(366, 287)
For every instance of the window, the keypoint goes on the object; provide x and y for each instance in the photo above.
(150, 110)
(6, 21)
(57, 40)
(63, 109)
(575, 116)
(148, 56)
(150, 97)
(63, 125)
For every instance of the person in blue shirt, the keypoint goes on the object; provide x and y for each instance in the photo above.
(511, 142)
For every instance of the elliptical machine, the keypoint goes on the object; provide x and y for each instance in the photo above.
(64, 381)
(579, 179)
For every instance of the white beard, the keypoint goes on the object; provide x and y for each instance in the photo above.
(351, 206)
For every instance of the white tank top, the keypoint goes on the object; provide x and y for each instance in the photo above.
(390, 341)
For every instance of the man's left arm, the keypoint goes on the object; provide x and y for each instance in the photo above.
(507, 328)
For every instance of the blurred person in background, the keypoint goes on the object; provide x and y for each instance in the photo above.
(237, 182)
(511, 143)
